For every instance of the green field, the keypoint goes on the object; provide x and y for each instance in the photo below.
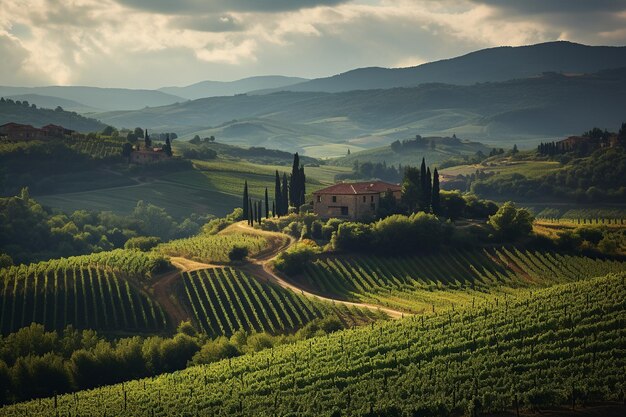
(547, 347)
(530, 169)
(213, 187)
(421, 283)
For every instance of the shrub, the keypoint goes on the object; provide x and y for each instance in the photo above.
(238, 253)
(292, 260)
(511, 223)
(142, 243)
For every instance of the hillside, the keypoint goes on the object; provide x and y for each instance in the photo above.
(10, 111)
(524, 109)
(99, 98)
(435, 151)
(498, 355)
(229, 88)
(52, 103)
(487, 65)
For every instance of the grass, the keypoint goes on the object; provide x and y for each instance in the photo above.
(212, 187)
(530, 169)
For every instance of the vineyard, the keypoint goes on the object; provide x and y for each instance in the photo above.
(66, 291)
(555, 346)
(583, 216)
(420, 283)
(224, 300)
(98, 148)
(211, 248)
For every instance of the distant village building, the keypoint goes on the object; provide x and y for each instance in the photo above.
(21, 132)
(352, 200)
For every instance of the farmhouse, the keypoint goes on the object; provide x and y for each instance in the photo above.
(354, 200)
(17, 131)
(147, 156)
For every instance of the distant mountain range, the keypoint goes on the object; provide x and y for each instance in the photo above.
(552, 105)
(493, 95)
(487, 65)
(229, 88)
(99, 98)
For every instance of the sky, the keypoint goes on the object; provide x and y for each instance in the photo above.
(156, 43)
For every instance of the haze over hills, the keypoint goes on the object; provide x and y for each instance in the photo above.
(486, 65)
(50, 102)
(99, 98)
(229, 88)
(551, 105)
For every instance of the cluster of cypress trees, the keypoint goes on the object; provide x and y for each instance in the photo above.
(297, 188)
(420, 189)
(287, 192)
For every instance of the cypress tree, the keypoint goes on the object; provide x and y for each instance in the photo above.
(429, 189)
(250, 212)
(259, 211)
(285, 196)
(435, 201)
(294, 182)
(273, 209)
(277, 196)
(267, 205)
(302, 179)
(246, 201)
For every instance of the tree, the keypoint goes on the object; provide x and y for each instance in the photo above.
(285, 195)
(147, 140)
(250, 213)
(139, 132)
(514, 150)
(167, 148)
(267, 205)
(411, 188)
(428, 190)
(131, 137)
(424, 195)
(296, 183)
(435, 199)
(277, 196)
(108, 131)
(510, 222)
(127, 149)
(246, 201)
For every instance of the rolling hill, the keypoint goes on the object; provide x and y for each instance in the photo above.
(487, 65)
(99, 98)
(552, 105)
(229, 88)
(26, 114)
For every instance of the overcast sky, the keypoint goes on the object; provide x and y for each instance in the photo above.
(155, 43)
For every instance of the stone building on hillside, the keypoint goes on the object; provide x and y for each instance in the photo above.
(20, 132)
(147, 156)
(352, 200)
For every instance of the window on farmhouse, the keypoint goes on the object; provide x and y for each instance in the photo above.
(334, 199)
(319, 198)
(364, 198)
(344, 211)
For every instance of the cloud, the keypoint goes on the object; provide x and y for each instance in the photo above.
(221, 6)
(150, 43)
(208, 23)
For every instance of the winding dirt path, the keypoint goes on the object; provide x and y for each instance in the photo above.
(260, 267)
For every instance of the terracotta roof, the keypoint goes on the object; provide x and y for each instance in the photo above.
(370, 187)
